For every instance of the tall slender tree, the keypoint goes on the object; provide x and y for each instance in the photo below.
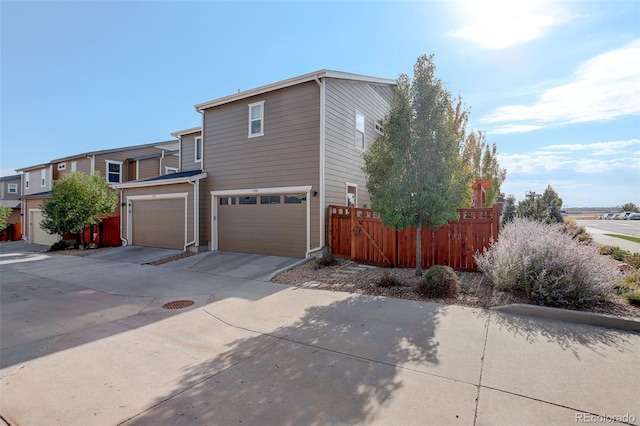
(482, 159)
(415, 173)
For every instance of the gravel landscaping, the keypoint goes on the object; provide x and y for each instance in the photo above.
(475, 289)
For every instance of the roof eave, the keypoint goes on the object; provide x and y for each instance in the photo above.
(142, 184)
(188, 131)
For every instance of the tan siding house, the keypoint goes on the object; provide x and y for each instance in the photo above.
(116, 165)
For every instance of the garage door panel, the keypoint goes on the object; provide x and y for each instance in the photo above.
(273, 229)
(158, 223)
(40, 236)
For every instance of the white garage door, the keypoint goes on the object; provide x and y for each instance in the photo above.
(158, 223)
(39, 235)
(268, 224)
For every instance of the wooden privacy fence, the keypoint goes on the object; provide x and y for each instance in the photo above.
(358, 234)
(107, 233)
(13, 232)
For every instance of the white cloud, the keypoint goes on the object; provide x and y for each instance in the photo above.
(498, 24)
(597, 148)
(603, 88)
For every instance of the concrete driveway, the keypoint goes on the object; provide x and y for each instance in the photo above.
(87, 341)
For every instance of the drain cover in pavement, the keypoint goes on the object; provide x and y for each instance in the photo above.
(178, 304)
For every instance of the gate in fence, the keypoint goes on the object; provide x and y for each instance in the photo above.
(358, 234)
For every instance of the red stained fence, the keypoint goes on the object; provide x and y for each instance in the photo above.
(358, 234)
(13, 232)
(105, 234)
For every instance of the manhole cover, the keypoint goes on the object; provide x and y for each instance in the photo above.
(178, 304)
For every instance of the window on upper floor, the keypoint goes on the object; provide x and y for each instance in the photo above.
(62, 166)
(43, 178)
(26, 180)
(170, 170)
(74, 166)
(198, 149)
(377, 126)
(114, 171)
(256, 119)
(359, 137)
(12, 188)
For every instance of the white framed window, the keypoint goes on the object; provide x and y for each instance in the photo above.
(26, 180)
(43, 178)
(12, 188)
(114, 171)
(351, 194)
(62, 166)
(359, 137)
(198, 149)
(377, 126)
(170, 170)
(256, 119)
(74, 166)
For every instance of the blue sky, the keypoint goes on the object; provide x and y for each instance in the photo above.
(556, 85)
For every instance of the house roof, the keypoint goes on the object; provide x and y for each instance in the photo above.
(292, 82)
(154, 155)
(12, 204)
(103, 151)
(12, 177)
(38, 195)
(188, 131)
(171, 178)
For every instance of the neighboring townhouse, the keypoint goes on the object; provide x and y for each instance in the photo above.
(116, 165)
(259, 174)
(10, 192)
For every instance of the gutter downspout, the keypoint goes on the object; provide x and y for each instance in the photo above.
(322, 167)
(124, 241)
(161, 158)
(93, 164)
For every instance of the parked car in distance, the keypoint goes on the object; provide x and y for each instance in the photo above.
(634, 216)
(624, 215)
(608, 216)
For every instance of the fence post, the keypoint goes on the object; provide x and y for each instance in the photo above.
(496, 221)
(352, 234)
(330, 236)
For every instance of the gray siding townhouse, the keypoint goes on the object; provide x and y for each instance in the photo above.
(116, 165)
(10, 193)
(259, 174)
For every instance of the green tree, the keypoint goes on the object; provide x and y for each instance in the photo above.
(415, 173)
(509, 209)
(545, 208)
(482, 159)
(630, 207)
(5, 212)
(77, 201)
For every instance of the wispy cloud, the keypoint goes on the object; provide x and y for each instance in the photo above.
(603, 88)
(575, 158)
(498, 24)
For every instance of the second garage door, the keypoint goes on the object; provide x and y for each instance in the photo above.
(269, 224)
(39, 235)
(158, 223)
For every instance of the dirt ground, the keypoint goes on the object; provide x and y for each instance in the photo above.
(475, 289)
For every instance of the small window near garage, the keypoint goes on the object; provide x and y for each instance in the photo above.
(359, 140)
(62, 166)
(27, 175)
(295, 199)
(256, 119)
(12, 188)
(43, 178)
(114, 171)
(198, 149)
(248, 200)
(352, 195)
(170, 170)
(378, 128)
(227, 201)
(270, 199)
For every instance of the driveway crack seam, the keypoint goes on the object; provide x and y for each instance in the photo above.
(484, 351)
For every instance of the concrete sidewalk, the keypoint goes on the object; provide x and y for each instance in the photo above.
(86, 341)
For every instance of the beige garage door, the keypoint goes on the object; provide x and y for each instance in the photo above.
(39, 235)
(158, 223)
(273, 224)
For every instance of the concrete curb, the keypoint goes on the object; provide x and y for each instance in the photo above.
(286, 268)
(590, 318)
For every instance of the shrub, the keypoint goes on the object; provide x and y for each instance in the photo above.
(388, 280)
(630, 282)
(633, 260)
(577, 232)
(633, 298)
(547, 264)
(620, 254)
(608, 250)
(326, 261)
(439, 281)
